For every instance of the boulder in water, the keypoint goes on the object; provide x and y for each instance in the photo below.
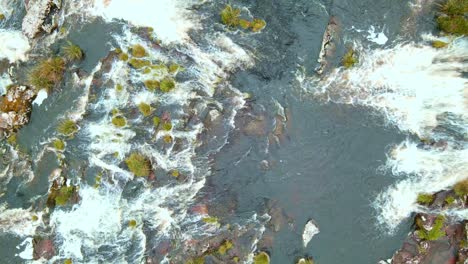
(37, 12)
(310, 230)
(15, 109)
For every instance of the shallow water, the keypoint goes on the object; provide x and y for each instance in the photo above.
(330, 163)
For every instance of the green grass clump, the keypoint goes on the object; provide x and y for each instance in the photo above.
(425, 198)
(261, 258)
(457, 25)
(436, 232)
(455, 7)
(138, 64)
(167, 85)
(305, 261)
(225, 247)
(167, 126)
(72, 52)
(2, 16)
(64, 194)
(138, 51)
(258, 24)
(461, 188)
(119, 87)
(350, 59)
(230, 16)
(210, 220)
(152, 85)
(47, 73)
(59, 144)
(145, 109)
(12, 139)
(156, 121)
(119, 121)
(245, 24)
(449, 200)
(453, 18)
(439, 44)
(123, 57)
(132, 223)
(138, 165)
(173, 68)
(67, 127)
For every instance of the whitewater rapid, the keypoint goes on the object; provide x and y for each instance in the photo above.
(422, 91)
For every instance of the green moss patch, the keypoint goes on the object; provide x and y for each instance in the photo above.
(119, 121)
(230, 16)
(258, 24)
(439, 44)
(152, 85)
(261, 258)
(167, 85)
(452, 19)
(123, 57)
(138, 164)
(436, 232)
(138, 63)
(67, 127)
(59, 144)
(350, 59)
(145, 109)
(138, 51)
(461, 188)
(225, 247)
(156, 121)
(425, 198)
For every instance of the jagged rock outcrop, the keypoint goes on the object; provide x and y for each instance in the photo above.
(15, 109)
(38, 12)
(330, 37)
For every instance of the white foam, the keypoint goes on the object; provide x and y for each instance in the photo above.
(169, 18)
(13, 45)
(376, 37)
(41, 96)
(4, 82)
(18, 221)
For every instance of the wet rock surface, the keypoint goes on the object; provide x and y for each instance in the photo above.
(425, 245)
(15, 109)
(38, 16)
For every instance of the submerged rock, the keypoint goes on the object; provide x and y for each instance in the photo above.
(15, 109)
(37, 13)
(43, 248)
(328, 44)
(310, 230)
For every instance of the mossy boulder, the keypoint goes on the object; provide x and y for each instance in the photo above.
(261, 258)
(305, 261)
(436, 232)
(439, 44)
(138, 63)
(119, 121)
(60, 194)
(138, 164)
(145, 109)
(152, 85)
(15, 109)
(138, 51)
(350, 58)
(67, 127)
(167, 85)
(58, 144)
(257, 25)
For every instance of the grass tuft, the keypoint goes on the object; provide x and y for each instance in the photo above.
(119, 121)
(59, 144)
(461, 188)
(436, 232)
(138, 165)
(258, 24)
(230, 16)
(152, 85)
(47, 73)
(138, 51)
(67, 127)
(261, 258)
(145, 109)
(167, 85)
(439, 44)
(425, 198)
(156, 121)
(138, 64)
(350, 59)
(72, 52)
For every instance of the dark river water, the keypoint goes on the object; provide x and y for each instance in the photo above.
(326, 166)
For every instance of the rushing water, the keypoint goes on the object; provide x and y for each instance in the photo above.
(253, 126)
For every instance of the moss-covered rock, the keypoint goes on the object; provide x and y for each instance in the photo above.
(350, 59)
(156, 121)
(67, 127)
(145, 109)
(435, 232)
(61, 194)
(167, 126)
(261, 258)
(138, 164)
(59, 144)
(305, 261)
(258, 24)
(230, 16)
(138, 63)
(167, 85)
(138, 51)
(132, 223)
(2, 17)
(123, 56)
(119, 121)
(439, 44)
(152, 85)
(461, 188)
(225, 247)
(425, 198)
